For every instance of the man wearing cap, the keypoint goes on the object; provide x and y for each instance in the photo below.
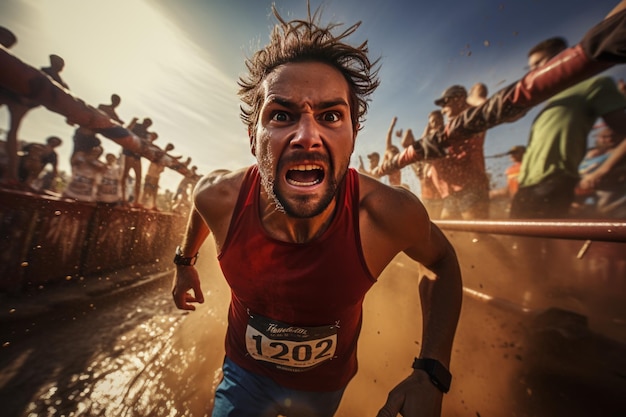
(460, 177)
(374, 159)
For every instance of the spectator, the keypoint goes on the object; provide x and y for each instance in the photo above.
(608, 191)
(110, 184)
(460, 177)
(423, 169)
(516, 153)
(7, 38)
(151, 182)
(109, 109)
(181, 202)
(17, 107)
(477, 94)
(321, 234)
(558, 139)
(394, 176)
(132, 160)
(374, 161)
(53, 71)
(185, 185)
(34, 158)
(84, 140)
(86, 169)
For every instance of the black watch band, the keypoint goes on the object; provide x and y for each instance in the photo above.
(439, 375)
(179, 259)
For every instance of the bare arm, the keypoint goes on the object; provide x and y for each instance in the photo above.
(388, 143)
(361, 165)
(616, 121)
(214, 200)
(408, 139)
(186, 278)
(400, 223)
(441, 301)
(591, 180)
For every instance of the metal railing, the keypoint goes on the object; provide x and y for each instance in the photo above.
(579, 229)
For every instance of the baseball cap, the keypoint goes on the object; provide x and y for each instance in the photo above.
(516, 150)
(453, 91)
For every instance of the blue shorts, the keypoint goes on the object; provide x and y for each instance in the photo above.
(244, 394)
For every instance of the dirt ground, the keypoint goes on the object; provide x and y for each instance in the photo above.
(136, 355)
(506, 361)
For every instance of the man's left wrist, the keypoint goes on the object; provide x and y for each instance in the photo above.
(439, 375)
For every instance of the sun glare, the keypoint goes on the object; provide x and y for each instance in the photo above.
(133, 49)
(125, 43)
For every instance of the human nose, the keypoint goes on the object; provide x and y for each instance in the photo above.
(307, 134)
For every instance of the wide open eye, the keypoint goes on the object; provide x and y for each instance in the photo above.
(281, 116)
(331, 116)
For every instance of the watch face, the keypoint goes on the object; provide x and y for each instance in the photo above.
(440, 375)
(179, 259)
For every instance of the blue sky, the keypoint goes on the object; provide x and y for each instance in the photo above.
(178, 61)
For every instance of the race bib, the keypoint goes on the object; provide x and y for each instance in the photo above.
(288, 347)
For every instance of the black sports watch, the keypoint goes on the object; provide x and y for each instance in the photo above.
(439, 375)
(179, 259)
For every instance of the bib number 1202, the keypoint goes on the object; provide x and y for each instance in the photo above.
(298, 354)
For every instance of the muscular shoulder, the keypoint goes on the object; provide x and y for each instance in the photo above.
(391, 214)
(216, 193)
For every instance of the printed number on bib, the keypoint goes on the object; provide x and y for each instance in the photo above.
(290, 347)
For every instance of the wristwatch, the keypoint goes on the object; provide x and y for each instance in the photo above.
(179, 259)
(439, 375)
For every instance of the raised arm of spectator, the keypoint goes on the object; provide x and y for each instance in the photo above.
(388, 143)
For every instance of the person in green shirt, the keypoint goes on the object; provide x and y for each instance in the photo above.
(558, 139)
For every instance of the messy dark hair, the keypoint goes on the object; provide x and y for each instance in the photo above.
(306, 40)
(551, 46)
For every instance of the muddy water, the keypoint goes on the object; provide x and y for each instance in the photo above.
(139, 356)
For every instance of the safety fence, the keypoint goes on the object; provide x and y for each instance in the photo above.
(45, 239)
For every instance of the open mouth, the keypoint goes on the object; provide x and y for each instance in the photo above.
(305, 175)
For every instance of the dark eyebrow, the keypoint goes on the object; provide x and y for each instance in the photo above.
(291, 105)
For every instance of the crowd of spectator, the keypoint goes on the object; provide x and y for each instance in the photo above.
(94, 177)
(553, 176)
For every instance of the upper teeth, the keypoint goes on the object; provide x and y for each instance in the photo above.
(305, 167)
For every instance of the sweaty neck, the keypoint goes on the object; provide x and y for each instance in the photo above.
(280, 226)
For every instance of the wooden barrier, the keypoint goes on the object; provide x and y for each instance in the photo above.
(46, 239)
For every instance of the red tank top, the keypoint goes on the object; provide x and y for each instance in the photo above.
(296, 309)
